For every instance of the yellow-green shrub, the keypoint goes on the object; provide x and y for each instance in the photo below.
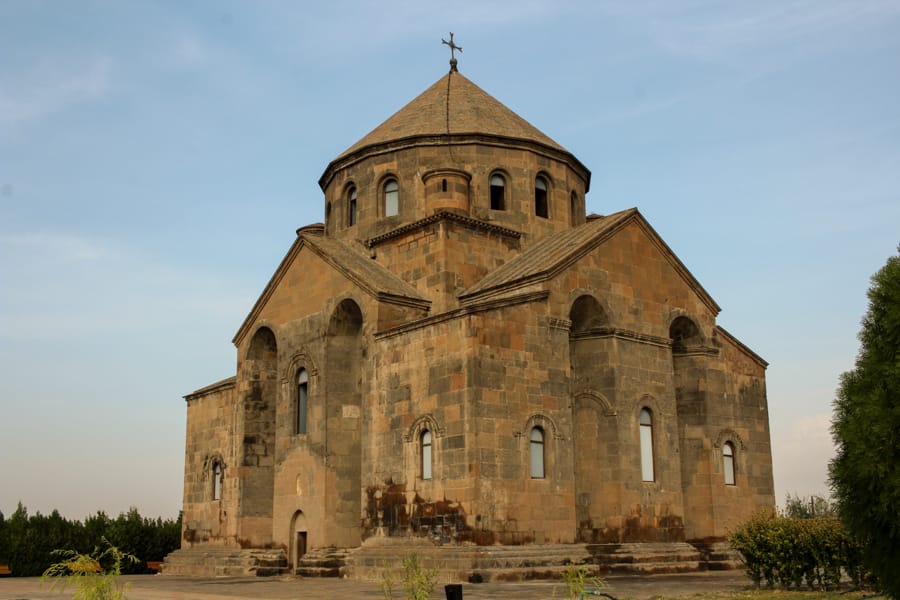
(790, 552)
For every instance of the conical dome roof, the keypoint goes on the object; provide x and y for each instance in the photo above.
(470, 110)
(452, 107)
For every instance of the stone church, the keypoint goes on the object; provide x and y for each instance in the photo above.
(461, 358)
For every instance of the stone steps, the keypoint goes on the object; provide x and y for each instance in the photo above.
(472, 563)
(324, 562)
(225, 562)
(648, 558)
(720, 556)
(459, 563)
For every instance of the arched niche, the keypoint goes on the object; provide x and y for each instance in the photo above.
(263, 345)
(587, 314)
(258, 440)
(684, 334)
(343, 415)
(346, 320)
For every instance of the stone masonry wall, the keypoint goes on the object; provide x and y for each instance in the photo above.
(479, 161)
(438, 261)
(419, 383)
(211, 425)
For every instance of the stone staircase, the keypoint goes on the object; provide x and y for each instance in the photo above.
(719, 556)
(225, 562)
(522, 563)
(475, 564)
(544, 561)
(324, 562)
(646, 558)
(460, 563)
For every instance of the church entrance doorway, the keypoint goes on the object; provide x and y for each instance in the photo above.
(298, 539)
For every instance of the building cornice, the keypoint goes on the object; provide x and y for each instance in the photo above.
(454, 139)
(442, 215)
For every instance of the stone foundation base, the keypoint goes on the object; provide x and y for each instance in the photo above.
(224, 562)
(460, 563)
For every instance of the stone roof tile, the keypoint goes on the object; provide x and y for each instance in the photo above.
(362, 269)
(545, 256)
(471, 111)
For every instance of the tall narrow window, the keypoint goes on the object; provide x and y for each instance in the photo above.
(426, 454)
(728, 462)
(217, 480)
(573, 207)
(498, 192)
(646, 446)
(391, 198)
(536, 446)
(302, 401)
(351, 207)
(540, 198)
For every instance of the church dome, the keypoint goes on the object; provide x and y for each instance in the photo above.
(453, 107)
(454, 148)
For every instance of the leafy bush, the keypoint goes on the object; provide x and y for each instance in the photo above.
(578, 579)
(95, 576)
(793, 552)
(418, 582)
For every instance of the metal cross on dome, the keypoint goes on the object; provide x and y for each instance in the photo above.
(453, 49)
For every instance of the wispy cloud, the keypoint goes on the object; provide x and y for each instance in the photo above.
(60, 247)
(51, 87)
(712, 31)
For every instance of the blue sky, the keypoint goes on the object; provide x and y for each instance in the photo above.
(157, 157)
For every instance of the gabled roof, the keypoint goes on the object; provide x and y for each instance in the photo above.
(548, 257)
(470, 110)
(364, 272)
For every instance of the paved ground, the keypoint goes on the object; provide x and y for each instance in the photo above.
(159, 587)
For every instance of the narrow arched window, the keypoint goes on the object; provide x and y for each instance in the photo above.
(540, 197)
(536, 446)
(646, 445)
(351, 206)
(425, 442)
(302, 401)
(728, 462)
(217, 480)
(498, 192)
(573, 207)
(391, 198)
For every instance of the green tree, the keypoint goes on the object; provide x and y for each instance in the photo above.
(865, 473)
(811, 507)
(4, 544)
(27, 541)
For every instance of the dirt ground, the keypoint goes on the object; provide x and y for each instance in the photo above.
(158, 587)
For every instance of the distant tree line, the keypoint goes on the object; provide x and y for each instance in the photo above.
(810, 507)
(27, 542)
